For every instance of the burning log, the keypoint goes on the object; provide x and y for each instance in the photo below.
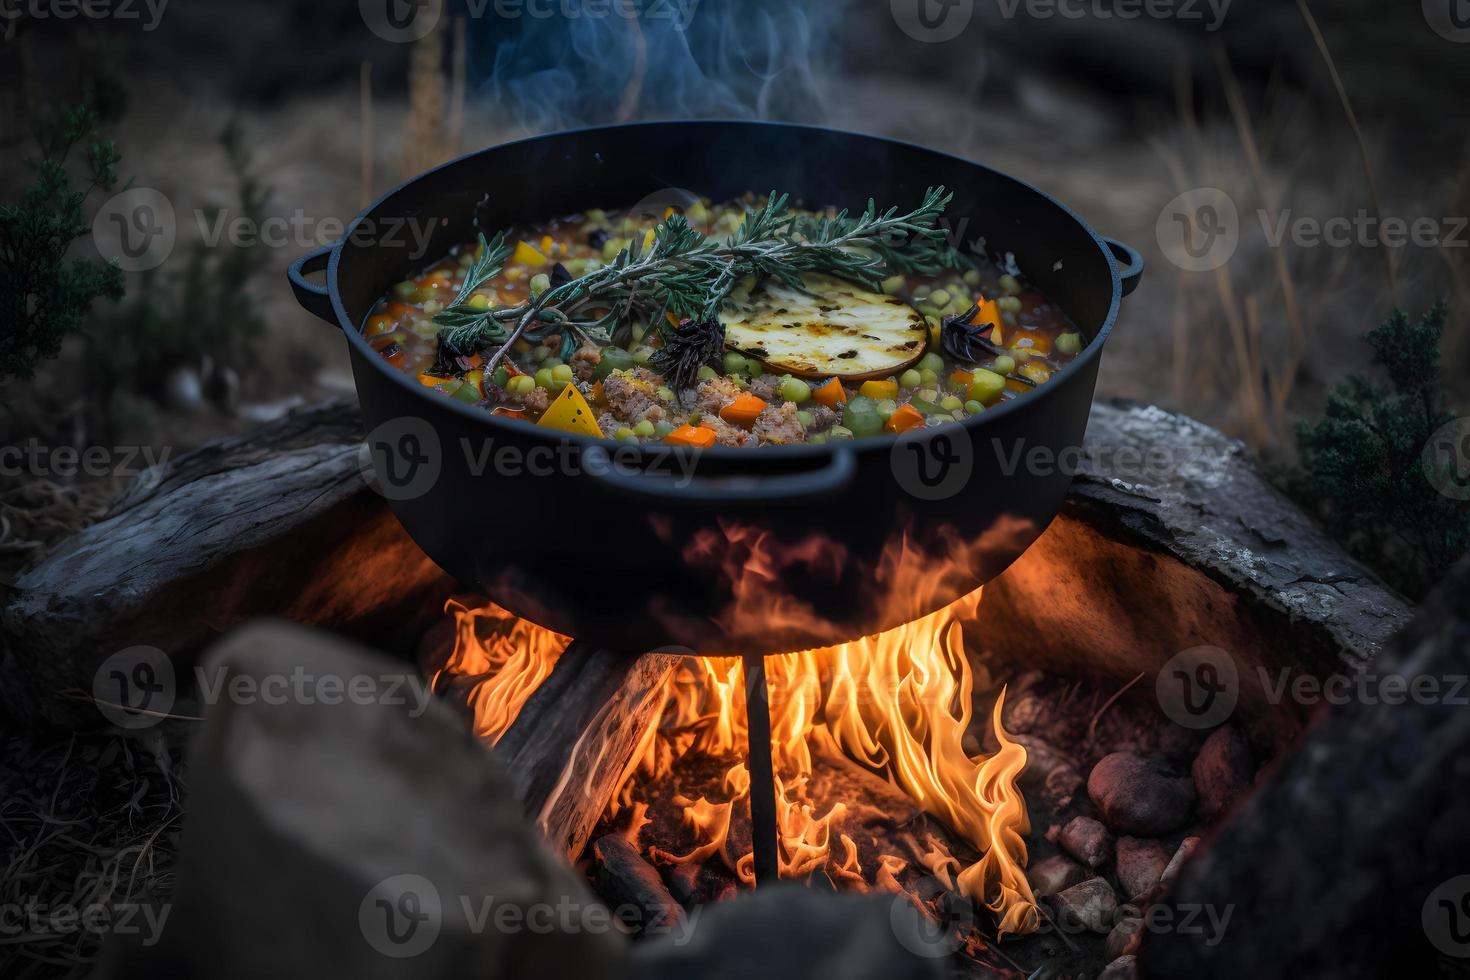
(572, 742)
(278, 522)
(627, 881)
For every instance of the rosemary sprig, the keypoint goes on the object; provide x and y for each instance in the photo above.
(684, 276)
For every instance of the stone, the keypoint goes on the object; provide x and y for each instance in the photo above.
(1122, 968)
(1125, 939)
(1140, 796)
(1092, 904)
(368, 835)
(1140, 866)
(1222, 770)
(1054, 874)
(787, 932)
(1186, 850)
(1088, 841)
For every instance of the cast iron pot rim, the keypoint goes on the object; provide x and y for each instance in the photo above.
(973, 423)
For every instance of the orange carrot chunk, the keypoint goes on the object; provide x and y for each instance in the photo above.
(904, 419)
(743, 410)
(830, 394)
(696, 436)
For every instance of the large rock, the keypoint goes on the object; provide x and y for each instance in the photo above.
(1171, 538)
(1141, 865)
(361, 835)
(1140, 796)
(1088, 841)
(1054, 874)
(1090, 905)
(1222, 770)
(277, 522)
(786, 932)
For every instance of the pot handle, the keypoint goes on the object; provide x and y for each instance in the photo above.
(1130, 261)
(314, 299)
(731, 491)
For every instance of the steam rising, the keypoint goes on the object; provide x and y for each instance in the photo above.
(559, 64)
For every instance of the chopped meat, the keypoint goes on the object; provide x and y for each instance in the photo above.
(633, 397)
(779, 425)
(822, 417)
(767, 388)
(727, 434)
(536, 400)
(714, 394)
(585, 361)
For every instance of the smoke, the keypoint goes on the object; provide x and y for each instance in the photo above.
(557, 64)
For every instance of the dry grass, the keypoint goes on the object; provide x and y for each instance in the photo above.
(88, 823)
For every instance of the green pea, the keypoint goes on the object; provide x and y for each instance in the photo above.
(735, 363)
(642, 354)
(795, 390)
(662, 429)
(625, 434)
(910, 379)
(862, 422)
(839, 432)
(543, 378)
(973, 408)
(1069, 344)
(540, 283)
(928, 377)
(893, 285)
(939, 298)
(972, 277)
(1009, 304)
(406, 290)
(818, 439)
(643, 428)
(706, 373)
(986, 386)
(886, 408)
(1010, 285)
(1004, 364)
(562, 372)
(500, 377)
(613, 359)
(665, 394)
(930, 312)
(612, 247)
(805, 418)
(950, 403)
(931, 362)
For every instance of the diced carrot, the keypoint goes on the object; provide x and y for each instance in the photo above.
(830, 394)
(696, 436)
(879, 390)
(380, 324)
(989, 313)
(1019, 387)
(743, 411)
(906, 418)
(961, 379)
(470, 361)
(431, 380)
(527, 255)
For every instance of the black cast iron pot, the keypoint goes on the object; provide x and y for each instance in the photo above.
(729, 550)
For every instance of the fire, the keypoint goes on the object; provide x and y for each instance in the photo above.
(501, 659)
(899, 705)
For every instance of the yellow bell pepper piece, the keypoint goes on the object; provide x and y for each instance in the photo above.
(879, 390)
(571, 413)
(526, 254)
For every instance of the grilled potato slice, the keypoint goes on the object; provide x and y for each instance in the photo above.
(829, 328)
